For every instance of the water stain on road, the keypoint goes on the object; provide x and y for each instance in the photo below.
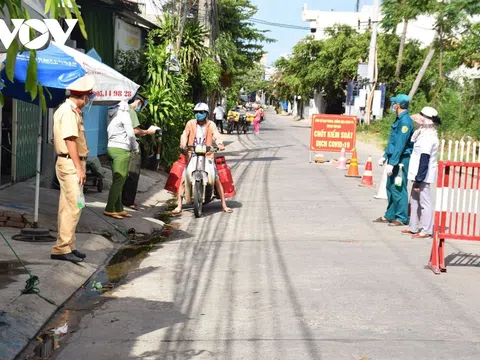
(8, 270)
(93, 295)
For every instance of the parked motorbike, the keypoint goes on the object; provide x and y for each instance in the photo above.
(243, 124)
(233, 119)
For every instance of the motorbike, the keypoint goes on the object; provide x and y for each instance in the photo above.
(200, 178)
(243, 124)
(232, 118)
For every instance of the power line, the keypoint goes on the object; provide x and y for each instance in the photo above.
(295, 27)
(288, 26)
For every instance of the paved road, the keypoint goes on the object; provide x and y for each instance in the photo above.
(298, 271)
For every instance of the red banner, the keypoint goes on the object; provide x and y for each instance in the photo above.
(331, 132)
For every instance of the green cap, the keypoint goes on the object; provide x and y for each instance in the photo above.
(402, 100)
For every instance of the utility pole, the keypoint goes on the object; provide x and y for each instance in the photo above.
(204, 9)
(372, 61)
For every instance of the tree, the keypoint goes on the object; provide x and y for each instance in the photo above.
(397, 11)
(452, 18)
(331, 63)
(14, 9)
(240, 34)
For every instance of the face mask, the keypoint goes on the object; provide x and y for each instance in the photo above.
(138, 108)
(89, 103)
(200, 116)
(392, 109)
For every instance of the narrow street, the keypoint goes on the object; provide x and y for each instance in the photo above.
(298, 271)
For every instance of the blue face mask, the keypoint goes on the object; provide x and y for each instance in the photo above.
(200, 116)
(138, 108)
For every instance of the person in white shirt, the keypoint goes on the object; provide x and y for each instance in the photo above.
(423, 172)
(219, 114)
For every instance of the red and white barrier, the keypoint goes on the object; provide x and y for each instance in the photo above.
(456, 208)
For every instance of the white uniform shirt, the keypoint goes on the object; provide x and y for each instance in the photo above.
(426, 143)
(219, 113)
(201, 135)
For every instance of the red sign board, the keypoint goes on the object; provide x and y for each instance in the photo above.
(331, 132)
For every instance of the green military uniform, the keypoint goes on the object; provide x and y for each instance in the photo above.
(398, 151)
(131, 184)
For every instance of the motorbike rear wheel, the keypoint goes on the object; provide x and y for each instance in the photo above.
(239, 128)
(198, 198)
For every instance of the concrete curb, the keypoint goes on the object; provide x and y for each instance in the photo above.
(25, 315)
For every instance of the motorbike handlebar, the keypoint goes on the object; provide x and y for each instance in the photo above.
(209, 148)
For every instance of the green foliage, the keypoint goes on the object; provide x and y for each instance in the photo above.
(168, 106)
(468, 50)
(234, 16)
(458, 107)
(192, 49)
(15, 10)
(131, 64)
(210, 73)
(397, 11)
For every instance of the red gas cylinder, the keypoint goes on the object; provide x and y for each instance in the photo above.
(175, 176)
(225, 176)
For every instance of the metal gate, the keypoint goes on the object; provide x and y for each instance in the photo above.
(27, 124)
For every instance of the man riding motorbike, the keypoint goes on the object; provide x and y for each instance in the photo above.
(201, 131)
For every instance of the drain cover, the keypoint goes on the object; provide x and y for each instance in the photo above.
(34, 235)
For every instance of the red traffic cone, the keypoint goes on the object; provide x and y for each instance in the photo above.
(367, 178)
(342, 162)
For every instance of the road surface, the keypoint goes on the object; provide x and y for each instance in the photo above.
(298, 271)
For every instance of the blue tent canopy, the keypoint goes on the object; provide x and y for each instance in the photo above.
(55, 71)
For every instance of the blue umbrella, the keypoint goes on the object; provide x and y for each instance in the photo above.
(55, 71)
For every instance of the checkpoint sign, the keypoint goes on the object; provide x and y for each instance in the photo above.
(330, 132)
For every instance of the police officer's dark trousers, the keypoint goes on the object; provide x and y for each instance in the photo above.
(398, 196)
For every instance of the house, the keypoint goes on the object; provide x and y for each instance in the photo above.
(111, 26)
(20, 126)
(420, 29)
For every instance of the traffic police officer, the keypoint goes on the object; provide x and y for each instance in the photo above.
(72, 150)
(398, 151)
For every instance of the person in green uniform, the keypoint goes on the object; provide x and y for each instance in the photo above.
(399, 150)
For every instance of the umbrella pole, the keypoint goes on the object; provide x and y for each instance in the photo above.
(39, 164)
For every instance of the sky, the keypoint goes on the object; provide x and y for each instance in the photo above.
(290, 12)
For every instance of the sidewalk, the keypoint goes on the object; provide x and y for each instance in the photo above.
(22, 316)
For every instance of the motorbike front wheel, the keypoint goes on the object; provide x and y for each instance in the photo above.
(198, 198)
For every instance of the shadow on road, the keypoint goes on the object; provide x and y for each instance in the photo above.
(199, 262)
(462, 259)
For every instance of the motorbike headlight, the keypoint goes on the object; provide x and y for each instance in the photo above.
(201, 149)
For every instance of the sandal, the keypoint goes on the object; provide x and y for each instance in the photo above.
(133, 207)
(177, 211)
(113, 215)
(124, 214)
(397, 223)
(381, 220)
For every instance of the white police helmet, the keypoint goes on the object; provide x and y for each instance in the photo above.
(201, 107)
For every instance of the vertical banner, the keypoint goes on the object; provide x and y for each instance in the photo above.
(330, 132)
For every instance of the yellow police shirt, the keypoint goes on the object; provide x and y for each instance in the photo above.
(68, 122)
